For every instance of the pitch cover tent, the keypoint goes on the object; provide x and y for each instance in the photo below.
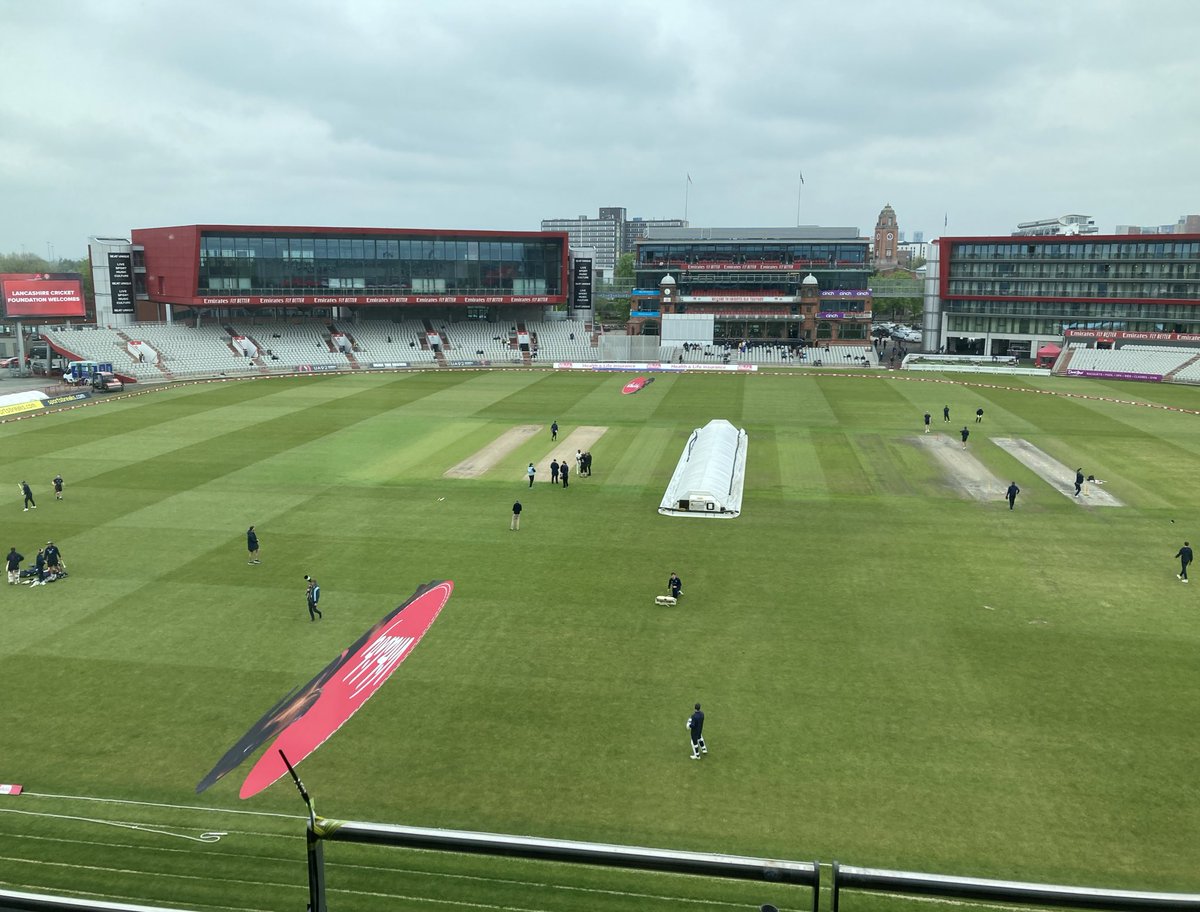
(711, 474)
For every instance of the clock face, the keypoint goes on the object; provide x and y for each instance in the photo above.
(889, 235)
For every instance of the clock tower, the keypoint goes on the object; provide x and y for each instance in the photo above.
(887, 240)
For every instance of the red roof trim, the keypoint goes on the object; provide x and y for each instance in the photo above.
(397, 232)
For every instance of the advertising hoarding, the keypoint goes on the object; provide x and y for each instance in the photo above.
(120, 281)
(47, 294)
(581, 283)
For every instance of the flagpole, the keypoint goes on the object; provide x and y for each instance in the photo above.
(686, 189)
(799, 187)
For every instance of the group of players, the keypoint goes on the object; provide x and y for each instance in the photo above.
(48, 565)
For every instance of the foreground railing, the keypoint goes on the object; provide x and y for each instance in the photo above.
(849, 877)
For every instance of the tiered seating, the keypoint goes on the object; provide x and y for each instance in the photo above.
(838, 355)
(1130, 359)
(555, 342)
(103, 345)
(185, 350)
(294, 344)
(372, 338)
(469, 338)
(1189, 373)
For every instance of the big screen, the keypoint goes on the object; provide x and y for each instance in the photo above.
(47, 294)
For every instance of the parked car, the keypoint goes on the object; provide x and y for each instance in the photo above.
(107, 382)
(14, 361)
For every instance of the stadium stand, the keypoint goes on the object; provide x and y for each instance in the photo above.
(185, 351)
(1132, 359)
(836, 355)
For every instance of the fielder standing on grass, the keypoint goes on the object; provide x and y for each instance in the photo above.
(928, 418)
(58, 486)
(1185, 557)
(515, 525)
(28, 494)
(695, 724)
(311, 597)
(965, 434)
(252, 546)
(1011, 494)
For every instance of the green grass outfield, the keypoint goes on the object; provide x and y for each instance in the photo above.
(894, 675)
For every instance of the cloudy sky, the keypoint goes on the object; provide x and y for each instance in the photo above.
(492, 114)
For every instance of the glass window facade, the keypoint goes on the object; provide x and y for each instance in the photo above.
(1085, 268)
(1018, 286)
(755, 267)
(388, 264)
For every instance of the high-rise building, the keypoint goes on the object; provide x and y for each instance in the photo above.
(1063, 225)
(1187, 224)
(636, 228)
(610, 235)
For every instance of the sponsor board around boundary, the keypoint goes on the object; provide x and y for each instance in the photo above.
(663, 366)
(17, 408)
(69, 397)
(1115, 375)
(385, 365)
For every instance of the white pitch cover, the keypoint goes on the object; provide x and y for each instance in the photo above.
(711, 474)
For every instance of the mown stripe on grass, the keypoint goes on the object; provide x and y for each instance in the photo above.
(885, 464)
(801, 476)
(763, 473)
(844, 472)
(641, 464)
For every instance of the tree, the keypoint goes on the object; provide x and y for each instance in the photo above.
(624, 268)
(23, 262)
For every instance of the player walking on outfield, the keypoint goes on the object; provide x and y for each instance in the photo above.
(57, 481)
(964, 433)
(1185, 557)
(978, 415)
(1011, 494)
(554, 431)
(28, 493)
(252, 546)
(312, 597)
(695, 724)
(928, 418)
(515, 525)
(945, 413)
(14, 566)
(1078, 481)
(531, 471)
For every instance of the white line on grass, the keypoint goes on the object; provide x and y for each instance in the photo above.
(174, 807)
(116, 897)
(211, 836)
(134, 872)
(532, 883)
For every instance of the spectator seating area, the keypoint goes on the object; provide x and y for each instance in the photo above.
(183, 351)
(1171, 363)
(838, 354)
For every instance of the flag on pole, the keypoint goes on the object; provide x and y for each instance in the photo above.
(689, 177)
(946, 220)
(802, 177)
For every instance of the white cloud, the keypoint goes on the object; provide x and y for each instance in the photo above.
(469, 114)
